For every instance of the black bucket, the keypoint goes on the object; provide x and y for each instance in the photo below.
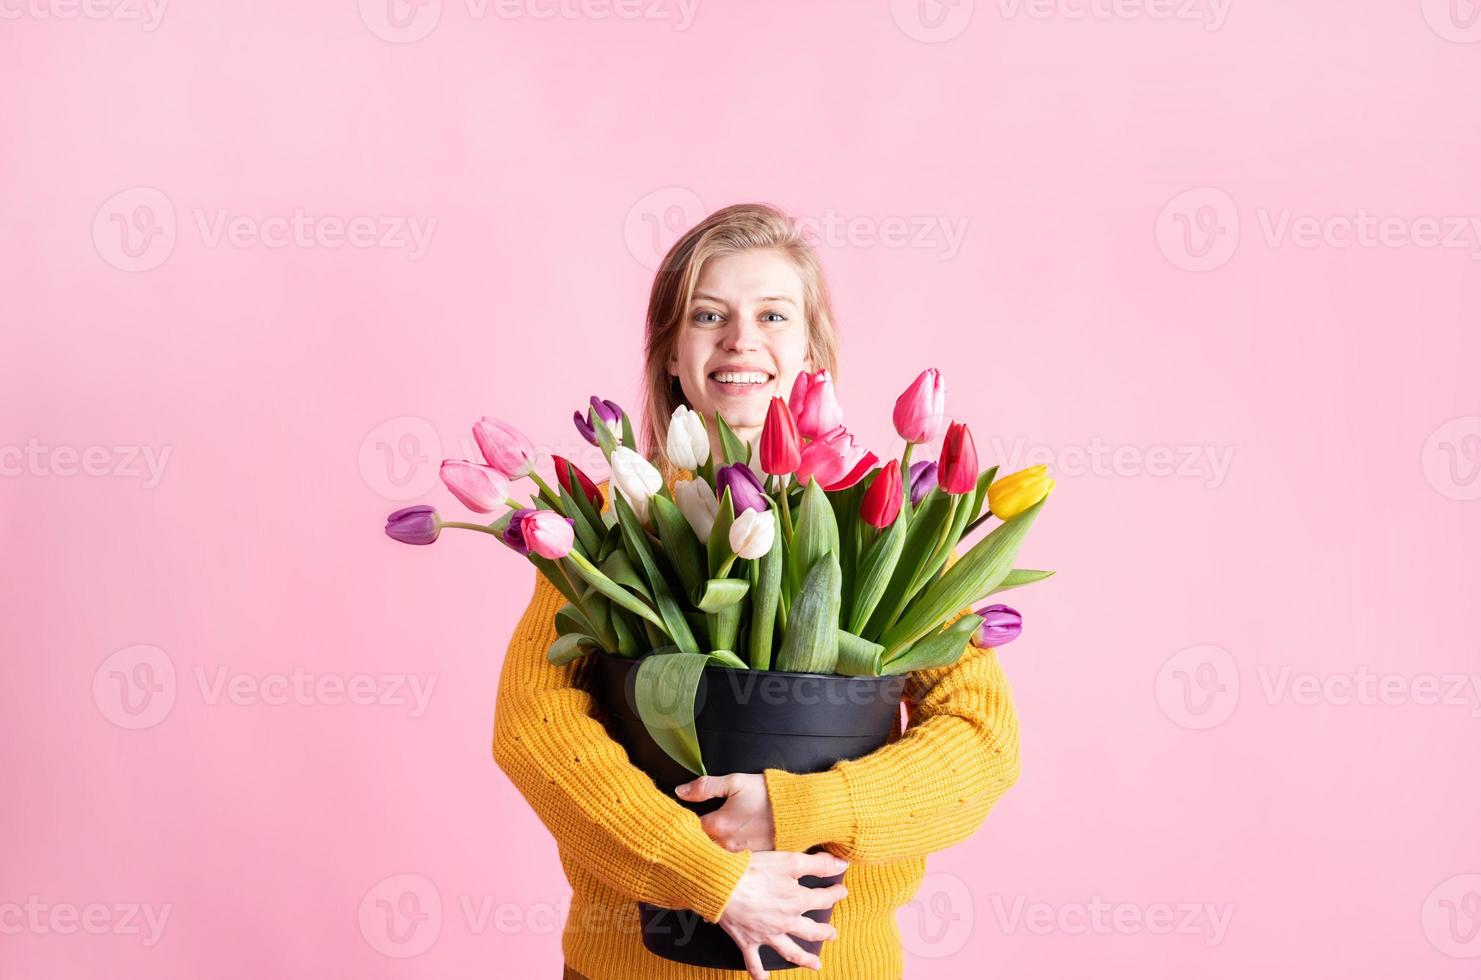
(748, 721)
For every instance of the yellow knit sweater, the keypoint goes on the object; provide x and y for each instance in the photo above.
(622, 840)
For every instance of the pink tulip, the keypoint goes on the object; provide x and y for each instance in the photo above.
(504, 447)
(920, 411)
(480, 488)
(547, 533)
(834, 461)
(814, 405)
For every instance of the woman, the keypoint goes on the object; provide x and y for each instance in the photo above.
(739, 308)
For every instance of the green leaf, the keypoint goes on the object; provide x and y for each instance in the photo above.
(733, 446)
(766, 589)
(1020, 576)
(722, 593)
(922, 532)
(569, 619)
(876, 570)
(619, 569)
(605, 439)
(719, 544)
(627, 433)
(636, 540)
(975, 574)
(664, 691)
(570, 646)
(611, 589)
(680, 542)
(626, 629)
(727, 658)
(858, 657)
(814, 531)
(939, 650)
(554, 576)
(811, 642)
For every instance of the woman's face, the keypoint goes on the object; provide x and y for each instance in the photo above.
(746, 317)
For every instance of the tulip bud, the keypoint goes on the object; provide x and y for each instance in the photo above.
(608, 412)
(514, 531)
(1017, 492)
(571, 477)
(636, 479)
(480, 488)
(688, 441)
(504, 447)
(697, 502)
(921, 409)
(1000, 624)
(752, 534)
(883, 497)
(957, 471)
(922, 480)
(547, 533)
(780, 449)
(746, 492)
(814, 405)
(414, 525)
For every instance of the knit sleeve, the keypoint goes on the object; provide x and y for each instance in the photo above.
(605, 812)
(926, 791)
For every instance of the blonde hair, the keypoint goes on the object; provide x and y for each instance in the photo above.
(733, 229)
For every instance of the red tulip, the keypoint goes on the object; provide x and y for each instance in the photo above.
(881, 503)
(957, 470)
(565, 469)
(919, 411)
(780, 450)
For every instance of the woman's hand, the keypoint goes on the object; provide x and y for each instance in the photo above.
(767, 905)
(743, 822)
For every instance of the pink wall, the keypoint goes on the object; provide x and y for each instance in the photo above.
(1219, 268)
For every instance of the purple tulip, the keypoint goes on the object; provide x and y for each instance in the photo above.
(514, 533)
(746, 492)
(414, 525)
(1000, 624)
(922, 480)
(608, 411)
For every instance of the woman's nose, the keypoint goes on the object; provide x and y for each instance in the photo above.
(741, 334)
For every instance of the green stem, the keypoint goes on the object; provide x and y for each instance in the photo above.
(545, 487)
(905, 476)
(471, 527)
(973, 526)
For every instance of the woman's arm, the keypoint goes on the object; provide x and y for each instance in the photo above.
(927, 791)
(601, 808)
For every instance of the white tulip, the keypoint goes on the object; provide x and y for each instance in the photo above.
(752, 534)
(696, 501)
(688, 439)
(636, 479)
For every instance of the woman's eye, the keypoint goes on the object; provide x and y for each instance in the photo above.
(706, 316)
(774, 317)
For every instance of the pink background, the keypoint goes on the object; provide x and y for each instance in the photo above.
(1262, 417)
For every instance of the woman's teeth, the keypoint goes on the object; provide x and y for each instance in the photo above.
(741, 377)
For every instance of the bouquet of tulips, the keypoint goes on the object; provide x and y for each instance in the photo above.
(803, 555)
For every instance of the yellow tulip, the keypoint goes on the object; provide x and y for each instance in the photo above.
(1017, 492)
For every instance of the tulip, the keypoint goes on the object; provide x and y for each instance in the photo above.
(504, 447)
(1017, 492)
(921, 409)
(547, 533)
(636, 479)
(607, 411)
(571, 477)
(957, 471)
(1000, 624)
(746, 492)
(696, 501)
(922, 480)
(780, 451)
(514, 531)
(834, 461)
(752, 534)
(688, 439)
(414, 525)
(882, 499)
(480, 488)
(814, 405)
